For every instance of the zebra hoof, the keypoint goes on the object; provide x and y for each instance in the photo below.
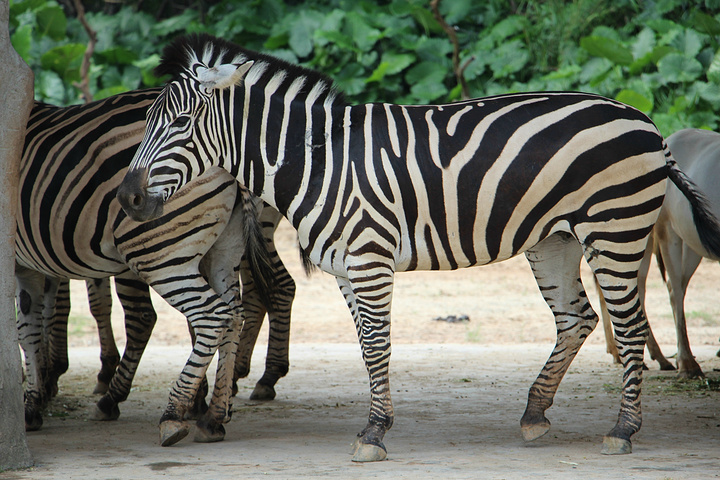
(101, 388)
(100, 416)
(106, 410)
(616, 446)
(172, 431)
(535, 431)
(33, 421)
(263, 392)
(365, 452)
(209, 433)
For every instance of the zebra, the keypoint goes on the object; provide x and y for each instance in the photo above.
(677, 246)
(54, 349)
(373, 189)
(70, 226)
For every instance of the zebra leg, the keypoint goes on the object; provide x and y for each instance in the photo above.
(210, 317)
(616, 265)
(276, 361)
(555, 263)
(221, 267)
(100, 297)
(368, 293)
(56, 323)
(29, 296)
(200, 405)
(140, 318)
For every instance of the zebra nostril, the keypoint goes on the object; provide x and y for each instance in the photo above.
(136, 200)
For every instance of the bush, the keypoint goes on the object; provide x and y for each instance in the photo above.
(661, 57)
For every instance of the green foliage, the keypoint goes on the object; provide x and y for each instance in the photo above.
(663, 57)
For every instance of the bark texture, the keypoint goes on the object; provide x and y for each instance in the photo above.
(16, 97)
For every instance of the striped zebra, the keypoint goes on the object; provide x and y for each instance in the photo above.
(54, 349)
(71, 226)
(375, 189)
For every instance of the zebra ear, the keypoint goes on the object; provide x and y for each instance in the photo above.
(223, 76)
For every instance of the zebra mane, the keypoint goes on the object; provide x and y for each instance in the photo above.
(185, 53)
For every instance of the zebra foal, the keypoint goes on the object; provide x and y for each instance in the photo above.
(70, 226)
(378, 188)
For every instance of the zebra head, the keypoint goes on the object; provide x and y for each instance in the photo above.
(180, 142)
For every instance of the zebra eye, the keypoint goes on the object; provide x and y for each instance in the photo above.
(181, 122)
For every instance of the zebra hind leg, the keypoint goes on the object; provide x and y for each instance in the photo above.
(56, 318)
(276, 361)
(100, 298)
(616, 267)
(140, 318)
(555, 263)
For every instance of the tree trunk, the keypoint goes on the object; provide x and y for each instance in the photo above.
(16, 97)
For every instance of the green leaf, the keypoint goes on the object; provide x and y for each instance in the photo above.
(350, 79)
(635, 99)
(276, 41)
(17, 8)
(677, 68)
(362, 34)
(64, 60)
(379, 73)
(117, 56)
(301, 32)
(424, 72)
(52, 21)
(397, 62)
(22, 41)
(702, 22)
(109, 92)
(508, 58)
(508, 27)
(713, 71)
(607, 48)
(147, 70)
(175, 24)
(710, 92)
(644, 43)
(49, 88)
(456, 10)
(669, 123)
(688, 42)
(568, 71)
(340, 40)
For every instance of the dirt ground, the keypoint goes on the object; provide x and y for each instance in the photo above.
(459, 391)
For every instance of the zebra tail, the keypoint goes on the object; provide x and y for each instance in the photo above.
(256, 253)
(307, 264)
(706, 223)
(660, 261)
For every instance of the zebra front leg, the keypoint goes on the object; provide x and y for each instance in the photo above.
(221, 267)
(209, 317)
(368, 293)
(140, 318)
(29, 297)
(555, 262)
(209, 427)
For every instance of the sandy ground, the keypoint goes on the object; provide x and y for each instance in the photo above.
(459, 391)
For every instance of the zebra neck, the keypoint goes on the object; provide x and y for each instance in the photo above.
(286, 155)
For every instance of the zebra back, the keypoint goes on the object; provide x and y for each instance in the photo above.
(73, 160)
